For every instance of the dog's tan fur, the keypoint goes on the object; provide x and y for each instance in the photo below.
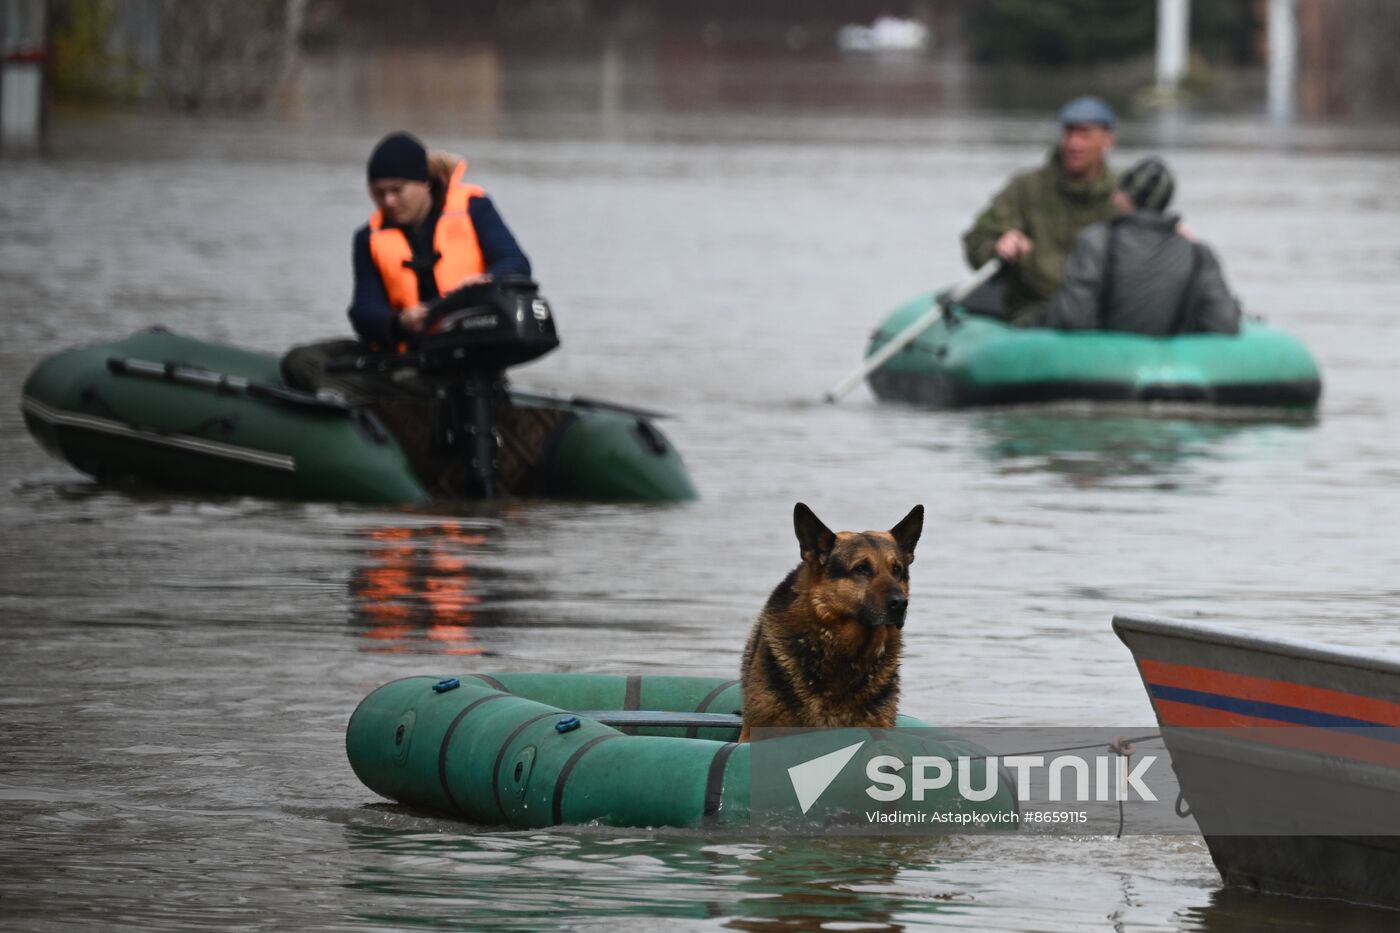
(825, 650)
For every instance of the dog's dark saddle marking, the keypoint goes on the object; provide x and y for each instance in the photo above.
(783, 595)
(777, 680)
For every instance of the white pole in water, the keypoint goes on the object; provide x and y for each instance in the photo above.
(22, 54)
(1283, 57)
(1173, 32)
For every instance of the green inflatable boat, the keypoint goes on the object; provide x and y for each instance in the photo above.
(966, 358)
(536, 750)
(179, 413)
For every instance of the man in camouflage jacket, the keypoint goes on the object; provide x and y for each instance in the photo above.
(1032, 223)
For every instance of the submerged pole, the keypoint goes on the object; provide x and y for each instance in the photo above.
(23, 50)
(1283, 58)
(1173, 31)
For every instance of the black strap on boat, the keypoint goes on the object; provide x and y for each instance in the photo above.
(491, 682)
(631, 700)
(704, 705)
(501, 755)
(714, 780)
(557, 806)
(447, 740)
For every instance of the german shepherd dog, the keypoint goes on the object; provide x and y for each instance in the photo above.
(825, 649)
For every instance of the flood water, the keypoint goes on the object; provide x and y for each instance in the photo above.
(176, 672)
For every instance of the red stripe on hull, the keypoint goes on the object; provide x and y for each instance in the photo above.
(1245, 687)
(1251, 729)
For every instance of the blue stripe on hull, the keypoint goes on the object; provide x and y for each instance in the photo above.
(1262, 710)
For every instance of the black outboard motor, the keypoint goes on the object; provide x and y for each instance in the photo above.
(491, 326)
(472, 336)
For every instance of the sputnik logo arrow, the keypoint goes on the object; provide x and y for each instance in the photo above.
(811, 778)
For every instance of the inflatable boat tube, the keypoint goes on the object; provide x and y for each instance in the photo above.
(178, 413)
(536, 750)
(966, 359)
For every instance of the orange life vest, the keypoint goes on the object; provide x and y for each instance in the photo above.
(454, 239)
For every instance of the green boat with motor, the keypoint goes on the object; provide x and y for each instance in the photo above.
(968, 357)
(537, 750)
(178, 413)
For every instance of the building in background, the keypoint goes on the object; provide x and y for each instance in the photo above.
(245, 54)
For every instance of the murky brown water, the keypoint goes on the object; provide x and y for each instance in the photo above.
(176, 673)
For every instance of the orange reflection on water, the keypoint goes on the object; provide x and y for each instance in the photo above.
(415, 591)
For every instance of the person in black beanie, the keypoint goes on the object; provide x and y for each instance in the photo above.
(1139, 273)
(432, 232)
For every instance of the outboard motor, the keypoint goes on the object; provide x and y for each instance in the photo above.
(486, 327)
(472, 336)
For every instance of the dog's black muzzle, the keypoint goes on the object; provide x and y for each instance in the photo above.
(895, 608)
(893, 612)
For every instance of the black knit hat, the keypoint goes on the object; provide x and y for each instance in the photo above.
(1149, 183)
(399, 155)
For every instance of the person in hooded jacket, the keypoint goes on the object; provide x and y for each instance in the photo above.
(1139, 273)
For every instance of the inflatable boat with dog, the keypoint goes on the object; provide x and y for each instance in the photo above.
(175, 412)
(537, 750)
(967, 358)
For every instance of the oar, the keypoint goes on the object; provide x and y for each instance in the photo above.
(906, 336)
(558, 398)
(223, 383)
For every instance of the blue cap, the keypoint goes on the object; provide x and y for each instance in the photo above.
(1083, 110)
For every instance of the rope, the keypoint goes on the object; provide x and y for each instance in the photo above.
(1129, 742)
(1125, 747)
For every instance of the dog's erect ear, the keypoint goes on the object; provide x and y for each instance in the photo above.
(906, 533)
(816, 539)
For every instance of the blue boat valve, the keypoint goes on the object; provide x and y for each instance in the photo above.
(567, 724)
(446, 684)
